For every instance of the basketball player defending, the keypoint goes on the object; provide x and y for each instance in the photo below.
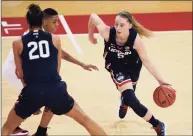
(39, 71)
(50, 24)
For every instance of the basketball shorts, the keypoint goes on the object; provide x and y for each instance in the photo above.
(121, 78)
(53, 95)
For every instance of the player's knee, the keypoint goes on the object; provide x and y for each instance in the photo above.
(131, 100)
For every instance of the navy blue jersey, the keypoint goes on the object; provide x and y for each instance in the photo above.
(39, 58)
(122, 58)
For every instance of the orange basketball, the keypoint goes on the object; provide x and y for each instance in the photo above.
(164, 96)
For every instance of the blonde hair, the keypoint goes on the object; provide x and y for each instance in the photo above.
(141, 30)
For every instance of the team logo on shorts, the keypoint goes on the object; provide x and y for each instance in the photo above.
(120, 77)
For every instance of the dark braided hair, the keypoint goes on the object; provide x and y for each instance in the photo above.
(34, 16)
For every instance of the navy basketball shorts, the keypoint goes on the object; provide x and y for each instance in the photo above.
(121, 78)
(53, 95)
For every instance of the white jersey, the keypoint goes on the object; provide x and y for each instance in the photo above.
(8, 70)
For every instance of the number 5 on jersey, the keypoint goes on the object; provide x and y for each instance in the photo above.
(39, 46)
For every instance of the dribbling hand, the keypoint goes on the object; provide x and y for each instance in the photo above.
(164, 83)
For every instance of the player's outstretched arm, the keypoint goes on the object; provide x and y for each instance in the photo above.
(103, 29)
(140, 48)
(66, 56)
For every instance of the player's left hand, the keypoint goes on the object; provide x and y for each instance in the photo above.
(89, 67)
(18, 74)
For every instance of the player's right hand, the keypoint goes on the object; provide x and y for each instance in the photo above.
(92, 39)
(17, 74)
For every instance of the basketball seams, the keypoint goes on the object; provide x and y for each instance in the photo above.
(165, 95)
(158, 97)
(160, 94)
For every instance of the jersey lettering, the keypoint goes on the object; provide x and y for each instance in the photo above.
(120, 54)
(39, 46)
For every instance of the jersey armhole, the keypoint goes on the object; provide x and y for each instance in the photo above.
(132, 37)
(22, 37)
(112, 30)
(51, 41)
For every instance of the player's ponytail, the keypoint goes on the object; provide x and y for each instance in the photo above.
(142, 31)
(34, 9)
(34, 16)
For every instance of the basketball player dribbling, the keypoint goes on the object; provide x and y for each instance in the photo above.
(37, 56)
(50, 24)
(124, 54)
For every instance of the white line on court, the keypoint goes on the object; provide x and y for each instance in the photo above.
(70, 35)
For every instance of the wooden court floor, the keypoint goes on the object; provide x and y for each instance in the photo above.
(95, 92)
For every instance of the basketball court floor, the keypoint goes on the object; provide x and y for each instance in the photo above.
(171, 52)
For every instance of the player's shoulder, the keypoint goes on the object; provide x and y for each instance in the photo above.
(55, 37)
(18, 40)
(56, 40)
(17, 43)
(45, 32)
(26, 32)
(138, 43)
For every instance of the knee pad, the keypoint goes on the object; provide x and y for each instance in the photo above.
(131, 100)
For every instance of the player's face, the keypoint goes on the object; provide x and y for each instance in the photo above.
(51, 24)
(122, 26)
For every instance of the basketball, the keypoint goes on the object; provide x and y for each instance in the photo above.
(164, 96)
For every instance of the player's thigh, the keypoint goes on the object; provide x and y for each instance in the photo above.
(30, 100)
(78, 114)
